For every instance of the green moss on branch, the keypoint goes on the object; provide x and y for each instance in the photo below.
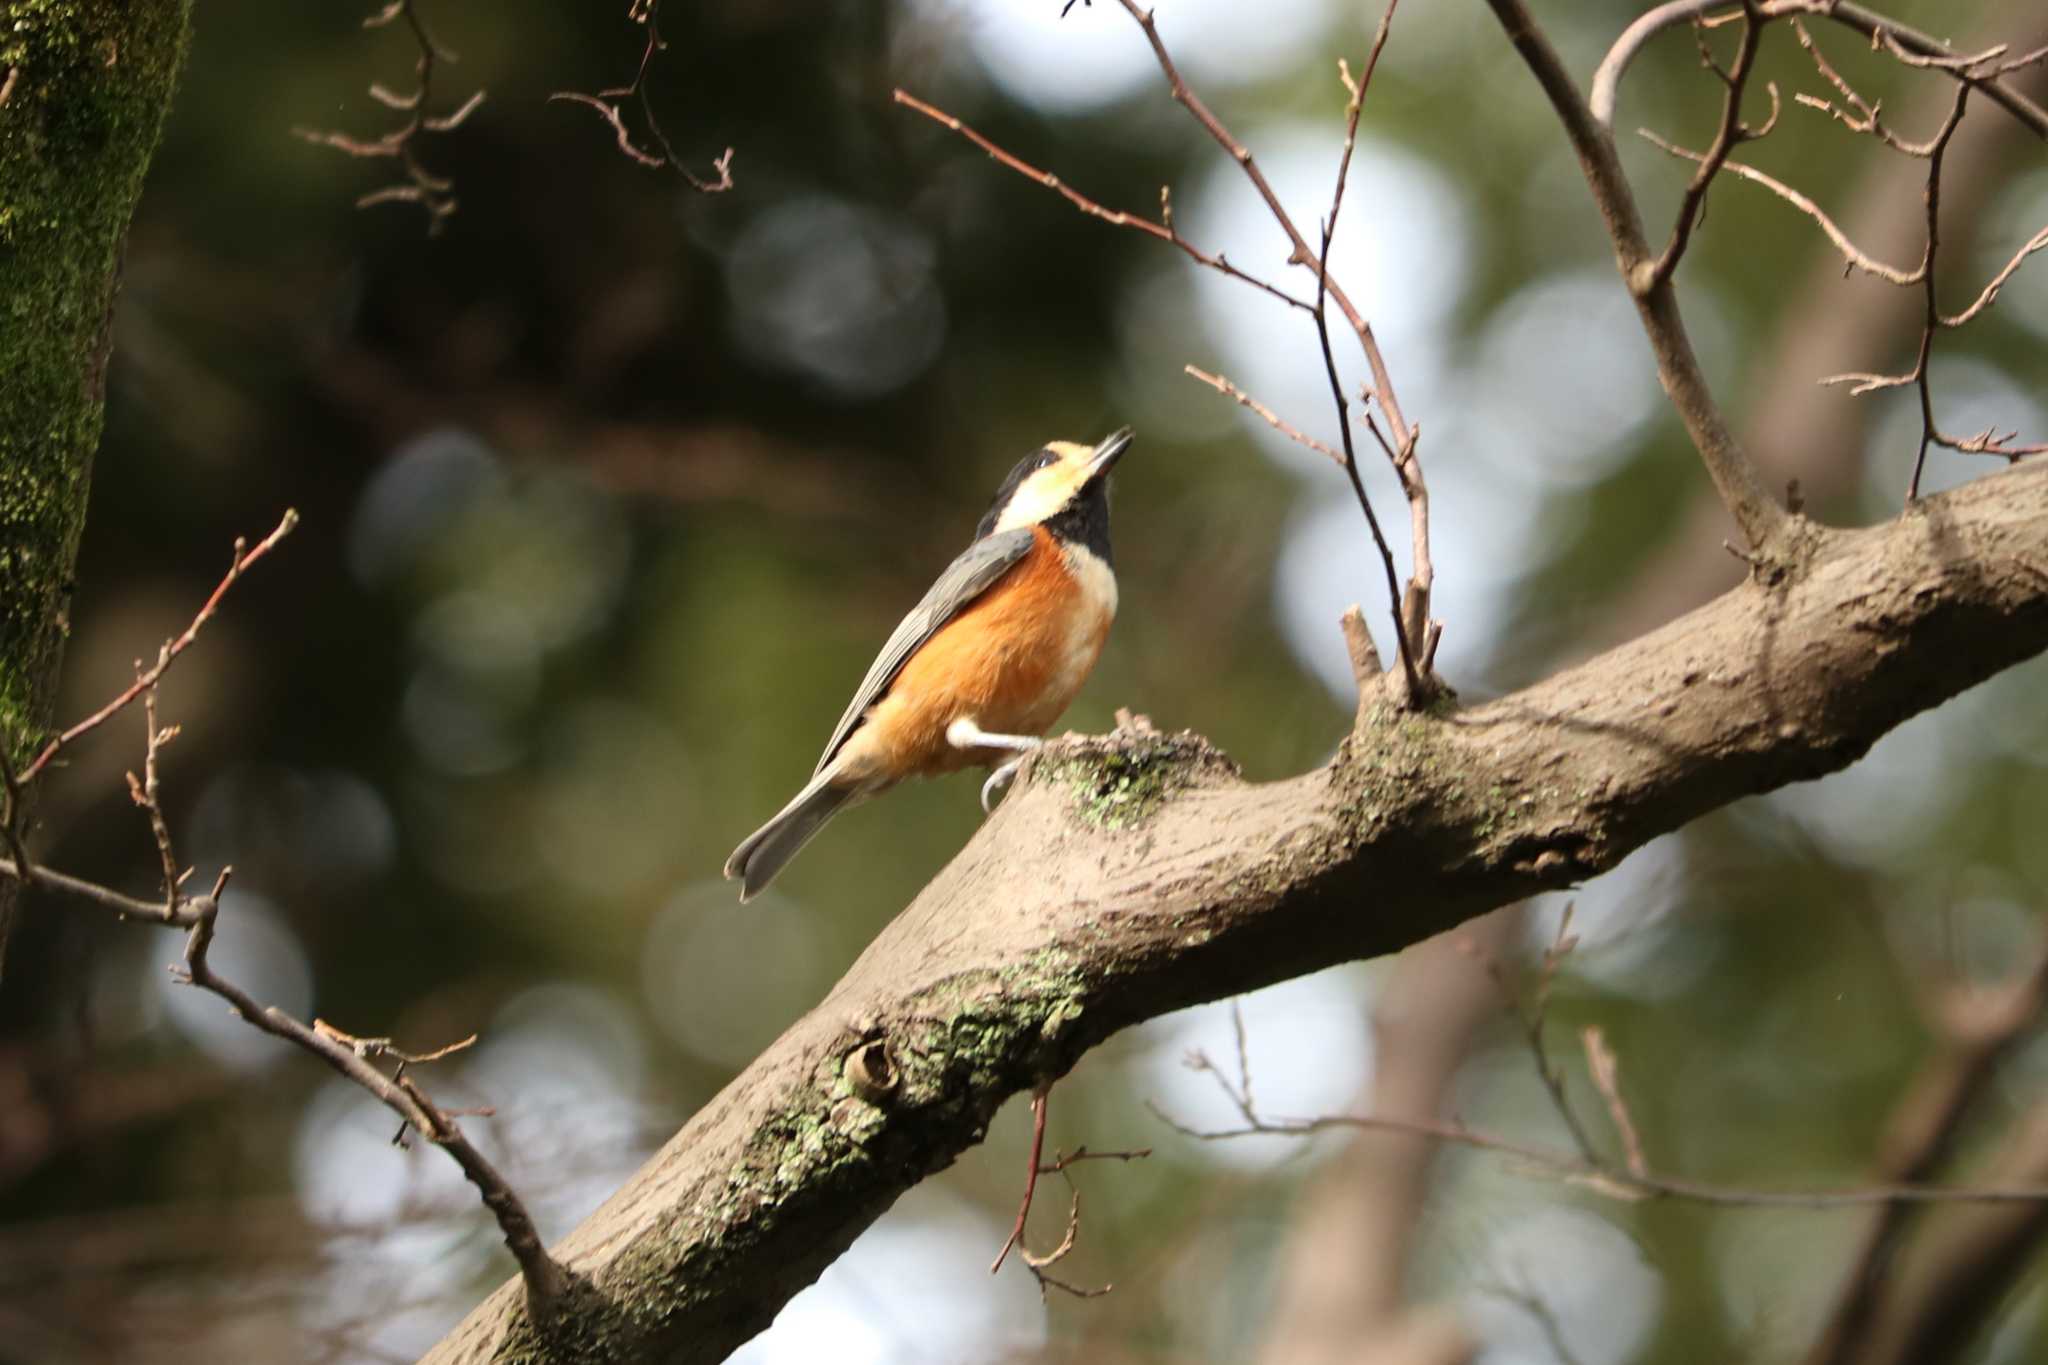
(87, 84)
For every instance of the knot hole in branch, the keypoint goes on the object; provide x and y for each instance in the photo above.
(872, 1073)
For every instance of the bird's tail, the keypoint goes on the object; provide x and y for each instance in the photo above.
(761, 854)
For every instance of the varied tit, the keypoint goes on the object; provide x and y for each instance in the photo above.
(984, 665)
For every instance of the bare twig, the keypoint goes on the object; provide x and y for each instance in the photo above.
(1415, 629)
(431, 192)
(1404, 436)
(610, 113)
(2038, 242)
(1411, 610)
(180, 916)
(146, 793)
(546, 1282)
(1062, 1160)
(1531, 1019)
(1272, 418)
(609, 105)
(1616, 1182)
(1851, 253)
(1303, 254)
(1929, 432)
(1607, 79)
(1590, 125)
(1980, 1029)
(1366, 670)
(1765, 524)
(1031, 1174)
(1165, 231)
(1859, 115)
(1732, 131)
(1406, 648)
(1862, 116)
(1060, 1165)
(244, 558)
(1606, 1071)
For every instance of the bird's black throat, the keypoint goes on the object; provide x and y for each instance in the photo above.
(1085, 521)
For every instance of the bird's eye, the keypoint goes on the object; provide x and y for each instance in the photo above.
(1046, 460)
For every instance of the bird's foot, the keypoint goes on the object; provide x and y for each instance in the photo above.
(999, 780)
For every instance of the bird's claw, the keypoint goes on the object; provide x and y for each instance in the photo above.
(997, 781)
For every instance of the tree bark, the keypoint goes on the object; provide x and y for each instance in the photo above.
(84, 88)
(1135, 874)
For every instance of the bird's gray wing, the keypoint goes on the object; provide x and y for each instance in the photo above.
(966, 578)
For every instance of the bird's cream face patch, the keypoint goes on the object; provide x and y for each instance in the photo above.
(1049, 489)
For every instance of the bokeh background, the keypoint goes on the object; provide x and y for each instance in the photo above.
(610, 490)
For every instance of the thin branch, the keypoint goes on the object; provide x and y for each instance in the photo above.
(1607, 79)
(1383, 384)
(1765, 524)
(147, 794)
(609, 105)
(180, 916)
(1411, 609)
(1981, 1030)
(1929, 432)
(1851, 253)
(1031, 1173)
(1614, 1182)
(1063, 1160)
(1731, 132)
(1059, 1165)
(1531, 1020)
(546, 1281)
(610, 113)
(2038, 242)
(1862, 116)
(244, 559)
(1606, 1072)
(1407, 649)
(431, 192)
(1272, 418)
(1164, 231)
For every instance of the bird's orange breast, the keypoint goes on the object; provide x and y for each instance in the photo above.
(1011, 662)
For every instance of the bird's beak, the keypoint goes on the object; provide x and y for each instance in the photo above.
(1109, 452)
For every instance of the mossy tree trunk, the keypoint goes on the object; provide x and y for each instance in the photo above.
(84, 88)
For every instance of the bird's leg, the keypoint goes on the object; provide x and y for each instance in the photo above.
(965, 734)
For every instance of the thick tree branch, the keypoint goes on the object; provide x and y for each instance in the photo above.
(1070, 917)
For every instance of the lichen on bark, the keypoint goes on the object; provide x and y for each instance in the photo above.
(86, 85)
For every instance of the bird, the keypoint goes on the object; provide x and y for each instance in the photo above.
(984, 664)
